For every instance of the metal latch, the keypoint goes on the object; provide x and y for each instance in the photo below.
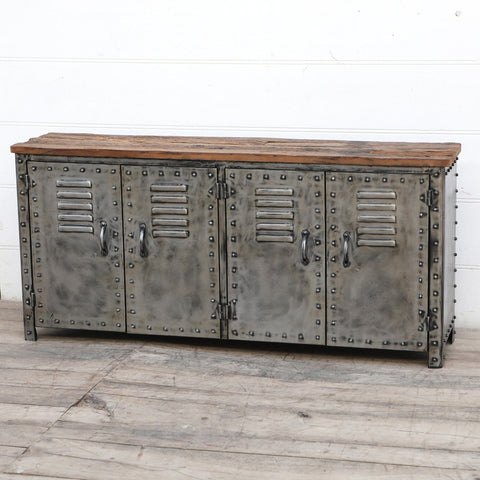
(221, 191)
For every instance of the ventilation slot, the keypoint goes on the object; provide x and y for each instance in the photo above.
(270, 210)
(75, 201)
(169, 219)
(374, 205)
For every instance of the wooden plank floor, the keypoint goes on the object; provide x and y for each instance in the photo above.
(75, 405)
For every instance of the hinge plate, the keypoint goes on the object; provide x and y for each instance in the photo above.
(429, 197)
(225, 311)
(221, 191)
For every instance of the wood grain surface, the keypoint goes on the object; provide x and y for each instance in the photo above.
(244, 149)
(147, 407)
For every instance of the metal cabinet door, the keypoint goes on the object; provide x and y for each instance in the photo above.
(377, 268)
(77, 245)
(171, 257)
(275, 227)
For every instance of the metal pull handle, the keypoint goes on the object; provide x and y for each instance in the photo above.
(103, 241)
(305, 235)
(346, 258)
(143, 247)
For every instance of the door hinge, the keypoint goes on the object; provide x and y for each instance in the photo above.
(28, 182)
(32, 300)
(431, 323)
(429, 197)
(221, 191)
(225, 311)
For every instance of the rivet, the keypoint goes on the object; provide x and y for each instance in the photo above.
(212, 285)
(211, 254)
(132, 312)
(115, 203)
(350, 340)
(435, 225)
(251, 333)
(317, 242)
(41, 320)
(332, 194)
(420, 295)
(332, 178)
(72, 322)
(212, 300)
(300, 336)
(421, 312)
(233, 238)
(436, 174)
(177, 173)
(131, 265)
(213, 315)
(367, 179)
(420, 280)
(368, 341)
(350, 178)
(234, 254)
(435, 260)
(117, 294)
(284, 335)
(421, 214)
(129, 189)
(435, 276)
(435, 343)
(194, 174)
(420, 264)
(333, 307)
(333, 322)
(318, 290)
(266, 176)
(333, 227)
(332, 210)
(212, 239)
(117, 310)
(317, 258)
(435, 209)
(420, 247)
(402, 180)
(144, 173)
(34, 198)
(334, 339)
(249, 176)
(57, 320)
(333, 259)
(117, 279)
(333, 274)
(117, 264)
(300, 177)
(103, 324)
(318, 306)
(434, 359)
(98, 170)
(210, 207)
(283, 177)
(23, 209)
(132, 325)
(65, 169)
(232, 175)
(211, 269)
(436, 243)
(165, 329)
(235, 332)
(317, 337)
(386, 342)
(213, 330)
(160, 173)
(384, 180)
(234, 285)
(419, 344)
(422, 180)
(435, 310)
(318, 321)
(128, 172)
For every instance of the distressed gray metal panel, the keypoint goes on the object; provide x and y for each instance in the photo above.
(275, 228)
(171, 257)
(377, 280)
(28, 294)
(77, 245)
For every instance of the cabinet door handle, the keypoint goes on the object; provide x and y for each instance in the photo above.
(346, 257)
(305, 235)
(103, 240)
(143, 247)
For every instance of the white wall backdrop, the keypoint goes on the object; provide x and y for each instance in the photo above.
(365, 70)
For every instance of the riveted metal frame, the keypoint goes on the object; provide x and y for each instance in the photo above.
(28, 294)
(441, 263)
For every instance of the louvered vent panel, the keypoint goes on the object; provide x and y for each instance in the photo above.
(170, 211)
(376, 214)
(74, 205)
(274, 214)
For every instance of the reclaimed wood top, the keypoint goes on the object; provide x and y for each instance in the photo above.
(401, 154)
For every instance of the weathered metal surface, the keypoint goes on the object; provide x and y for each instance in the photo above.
(377, 267)
(28, 293)
(275, 294)
(171, 257)
(76, 286)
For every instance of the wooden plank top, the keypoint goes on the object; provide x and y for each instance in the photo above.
(401, 154)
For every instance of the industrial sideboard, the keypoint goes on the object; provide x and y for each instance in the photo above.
(333, 243)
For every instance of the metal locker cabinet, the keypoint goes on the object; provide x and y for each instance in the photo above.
(77, 242)
(275, 239)
(171, 250)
